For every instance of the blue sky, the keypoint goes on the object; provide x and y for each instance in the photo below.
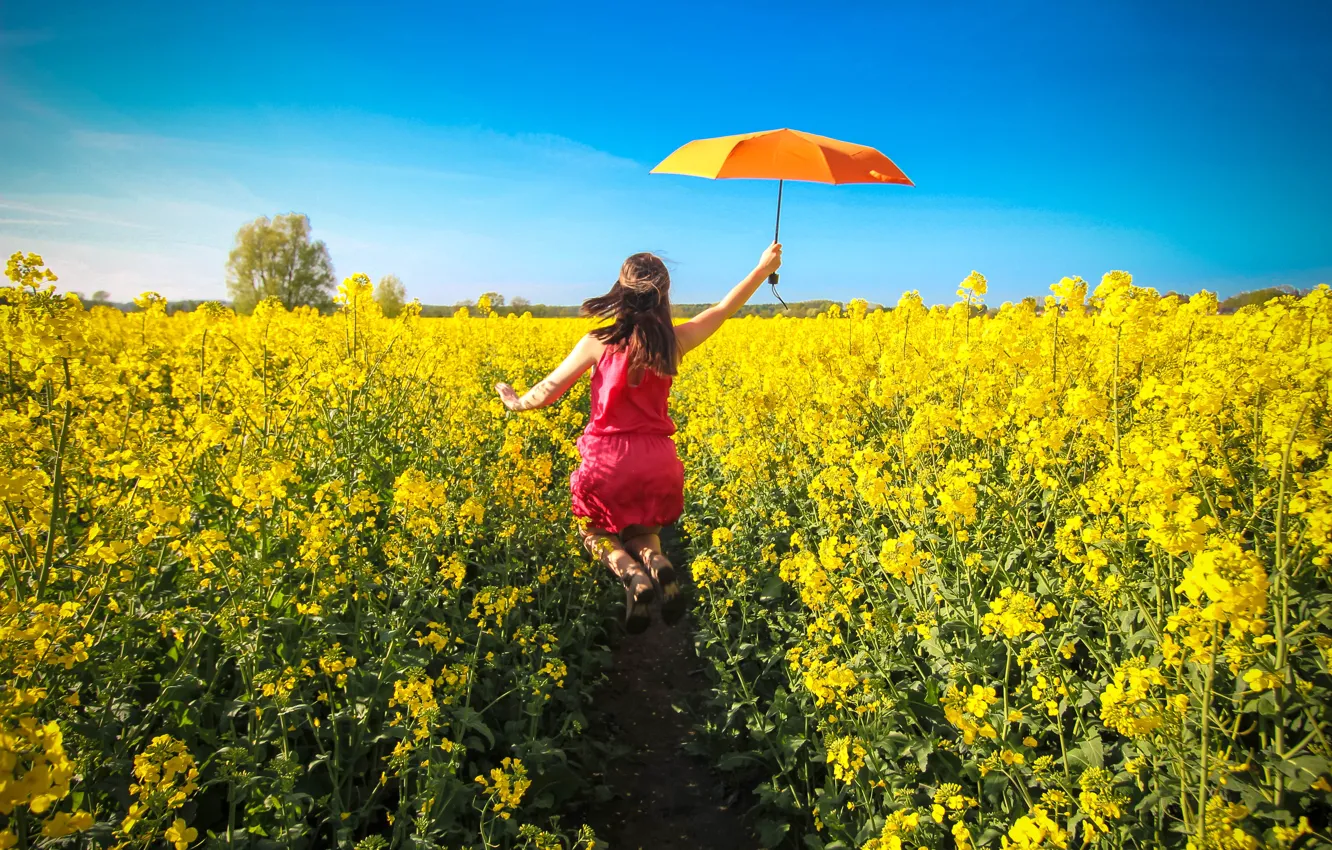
(472, 147)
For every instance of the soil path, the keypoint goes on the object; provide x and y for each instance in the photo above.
(665, 797)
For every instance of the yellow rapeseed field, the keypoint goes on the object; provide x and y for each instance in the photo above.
(1055, 576)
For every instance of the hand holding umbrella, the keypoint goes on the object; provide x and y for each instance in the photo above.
(771, 260)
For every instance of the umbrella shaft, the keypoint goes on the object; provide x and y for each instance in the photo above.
(777, 231)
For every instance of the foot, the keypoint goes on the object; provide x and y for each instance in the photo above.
(638, 595)
(663, 574)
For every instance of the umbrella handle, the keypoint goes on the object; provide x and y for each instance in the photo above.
(776, 237)
(772, 281)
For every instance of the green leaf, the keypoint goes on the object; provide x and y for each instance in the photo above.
(1090, 754)
(994, 785)
(923, 752)
(771, 832)
(736, 761)
(472, 720)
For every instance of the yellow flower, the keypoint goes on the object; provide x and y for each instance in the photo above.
(1261, 680)
(974, 284)
(180, 835)
(1034, 830)
(1222, 830)
(1231, 581)
(900, 558)
(1126, 703)
(967, 710)
(962, 836)
(66, 823)
(896, 827)
(847, 757)
(1015, 614)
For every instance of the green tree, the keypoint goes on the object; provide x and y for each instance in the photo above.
(391, 295)
(496, 300)
(1254, 297)
(277, 259)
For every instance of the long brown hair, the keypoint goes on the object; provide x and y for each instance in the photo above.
(640, 304)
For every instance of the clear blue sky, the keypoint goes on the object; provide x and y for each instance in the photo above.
(475, 146)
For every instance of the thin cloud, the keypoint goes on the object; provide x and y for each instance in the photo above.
(513, 147)
(569, 149)
(70, 215)
(113, 141)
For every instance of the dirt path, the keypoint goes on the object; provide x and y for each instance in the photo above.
(667, 798)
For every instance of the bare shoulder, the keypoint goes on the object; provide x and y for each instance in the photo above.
(589, 349)
(692, 333)
(590, 344)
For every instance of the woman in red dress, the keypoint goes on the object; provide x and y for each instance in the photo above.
(631, 482)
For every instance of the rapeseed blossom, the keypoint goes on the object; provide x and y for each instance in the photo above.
(1074, 509)
(1104, 516)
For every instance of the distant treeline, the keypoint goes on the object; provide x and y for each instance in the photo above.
(794, 309)
(680, 311)
(1257, 296)
(538, 311)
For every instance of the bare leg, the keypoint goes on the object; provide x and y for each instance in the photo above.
(644, 542)
(639, 590)
(607, 548)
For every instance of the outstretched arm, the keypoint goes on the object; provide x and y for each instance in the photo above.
(548, 391)
(693, 333)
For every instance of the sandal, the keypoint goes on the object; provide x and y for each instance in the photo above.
(638, 595)
(663, 574)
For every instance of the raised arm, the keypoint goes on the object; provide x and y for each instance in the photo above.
(693, 333)
(548, 391)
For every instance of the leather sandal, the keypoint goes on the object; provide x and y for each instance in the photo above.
(663, 574)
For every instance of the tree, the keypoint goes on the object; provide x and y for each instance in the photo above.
(1256, 296)
(520, 302)
(277, 259)
(496, 300)
(391, 295)
(101, 296)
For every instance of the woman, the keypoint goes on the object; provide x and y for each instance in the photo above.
(631, 482)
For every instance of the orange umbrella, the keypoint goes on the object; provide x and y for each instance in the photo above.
(782, 155)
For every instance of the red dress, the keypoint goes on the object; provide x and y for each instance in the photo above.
(630, 474)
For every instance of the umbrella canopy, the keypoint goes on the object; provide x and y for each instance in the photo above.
(783, 155)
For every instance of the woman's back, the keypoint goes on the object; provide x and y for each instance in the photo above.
(619, 407)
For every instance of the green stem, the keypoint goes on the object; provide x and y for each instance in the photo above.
(1204, 741)
(1280, 620)
(57, 490)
